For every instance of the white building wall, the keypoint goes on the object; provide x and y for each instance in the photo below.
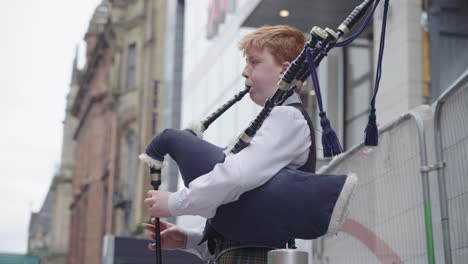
(401, 83)
(212, 75)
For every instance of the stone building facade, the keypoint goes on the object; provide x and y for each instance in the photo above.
(93, 106)
(117, 106)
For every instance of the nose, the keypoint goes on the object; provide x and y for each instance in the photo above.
(246, 71)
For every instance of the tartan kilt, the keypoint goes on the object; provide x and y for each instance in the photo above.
(230, 252)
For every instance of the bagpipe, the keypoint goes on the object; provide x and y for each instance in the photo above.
(293, 203)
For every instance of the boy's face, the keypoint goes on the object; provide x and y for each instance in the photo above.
(262, 74)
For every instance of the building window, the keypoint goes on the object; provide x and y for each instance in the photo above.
(132, 154)
(131, 66)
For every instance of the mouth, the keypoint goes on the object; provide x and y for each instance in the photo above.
(248, 87)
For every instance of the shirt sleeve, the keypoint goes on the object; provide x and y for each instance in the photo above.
(283, 136)
(194, 236)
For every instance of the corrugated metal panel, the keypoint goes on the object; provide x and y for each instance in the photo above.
(448, 29)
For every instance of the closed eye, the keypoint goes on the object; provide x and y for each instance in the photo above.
(253, 61)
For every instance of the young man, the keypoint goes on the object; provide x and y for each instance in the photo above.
(285, 140)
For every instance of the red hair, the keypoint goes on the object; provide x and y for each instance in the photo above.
(284, 42)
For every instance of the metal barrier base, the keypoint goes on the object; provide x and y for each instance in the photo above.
(287, 256)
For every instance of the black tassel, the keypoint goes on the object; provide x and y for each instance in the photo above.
(331, 144)
(372, 133)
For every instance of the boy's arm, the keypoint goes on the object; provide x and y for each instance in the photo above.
(282, 138)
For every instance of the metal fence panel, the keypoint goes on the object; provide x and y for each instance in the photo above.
(386, 219)
(387, 216)
(451, 126)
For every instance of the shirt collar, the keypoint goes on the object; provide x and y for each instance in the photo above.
(294, 98)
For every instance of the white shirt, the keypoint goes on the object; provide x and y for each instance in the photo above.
(282, 141)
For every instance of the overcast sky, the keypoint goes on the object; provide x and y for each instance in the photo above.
(38, 40)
